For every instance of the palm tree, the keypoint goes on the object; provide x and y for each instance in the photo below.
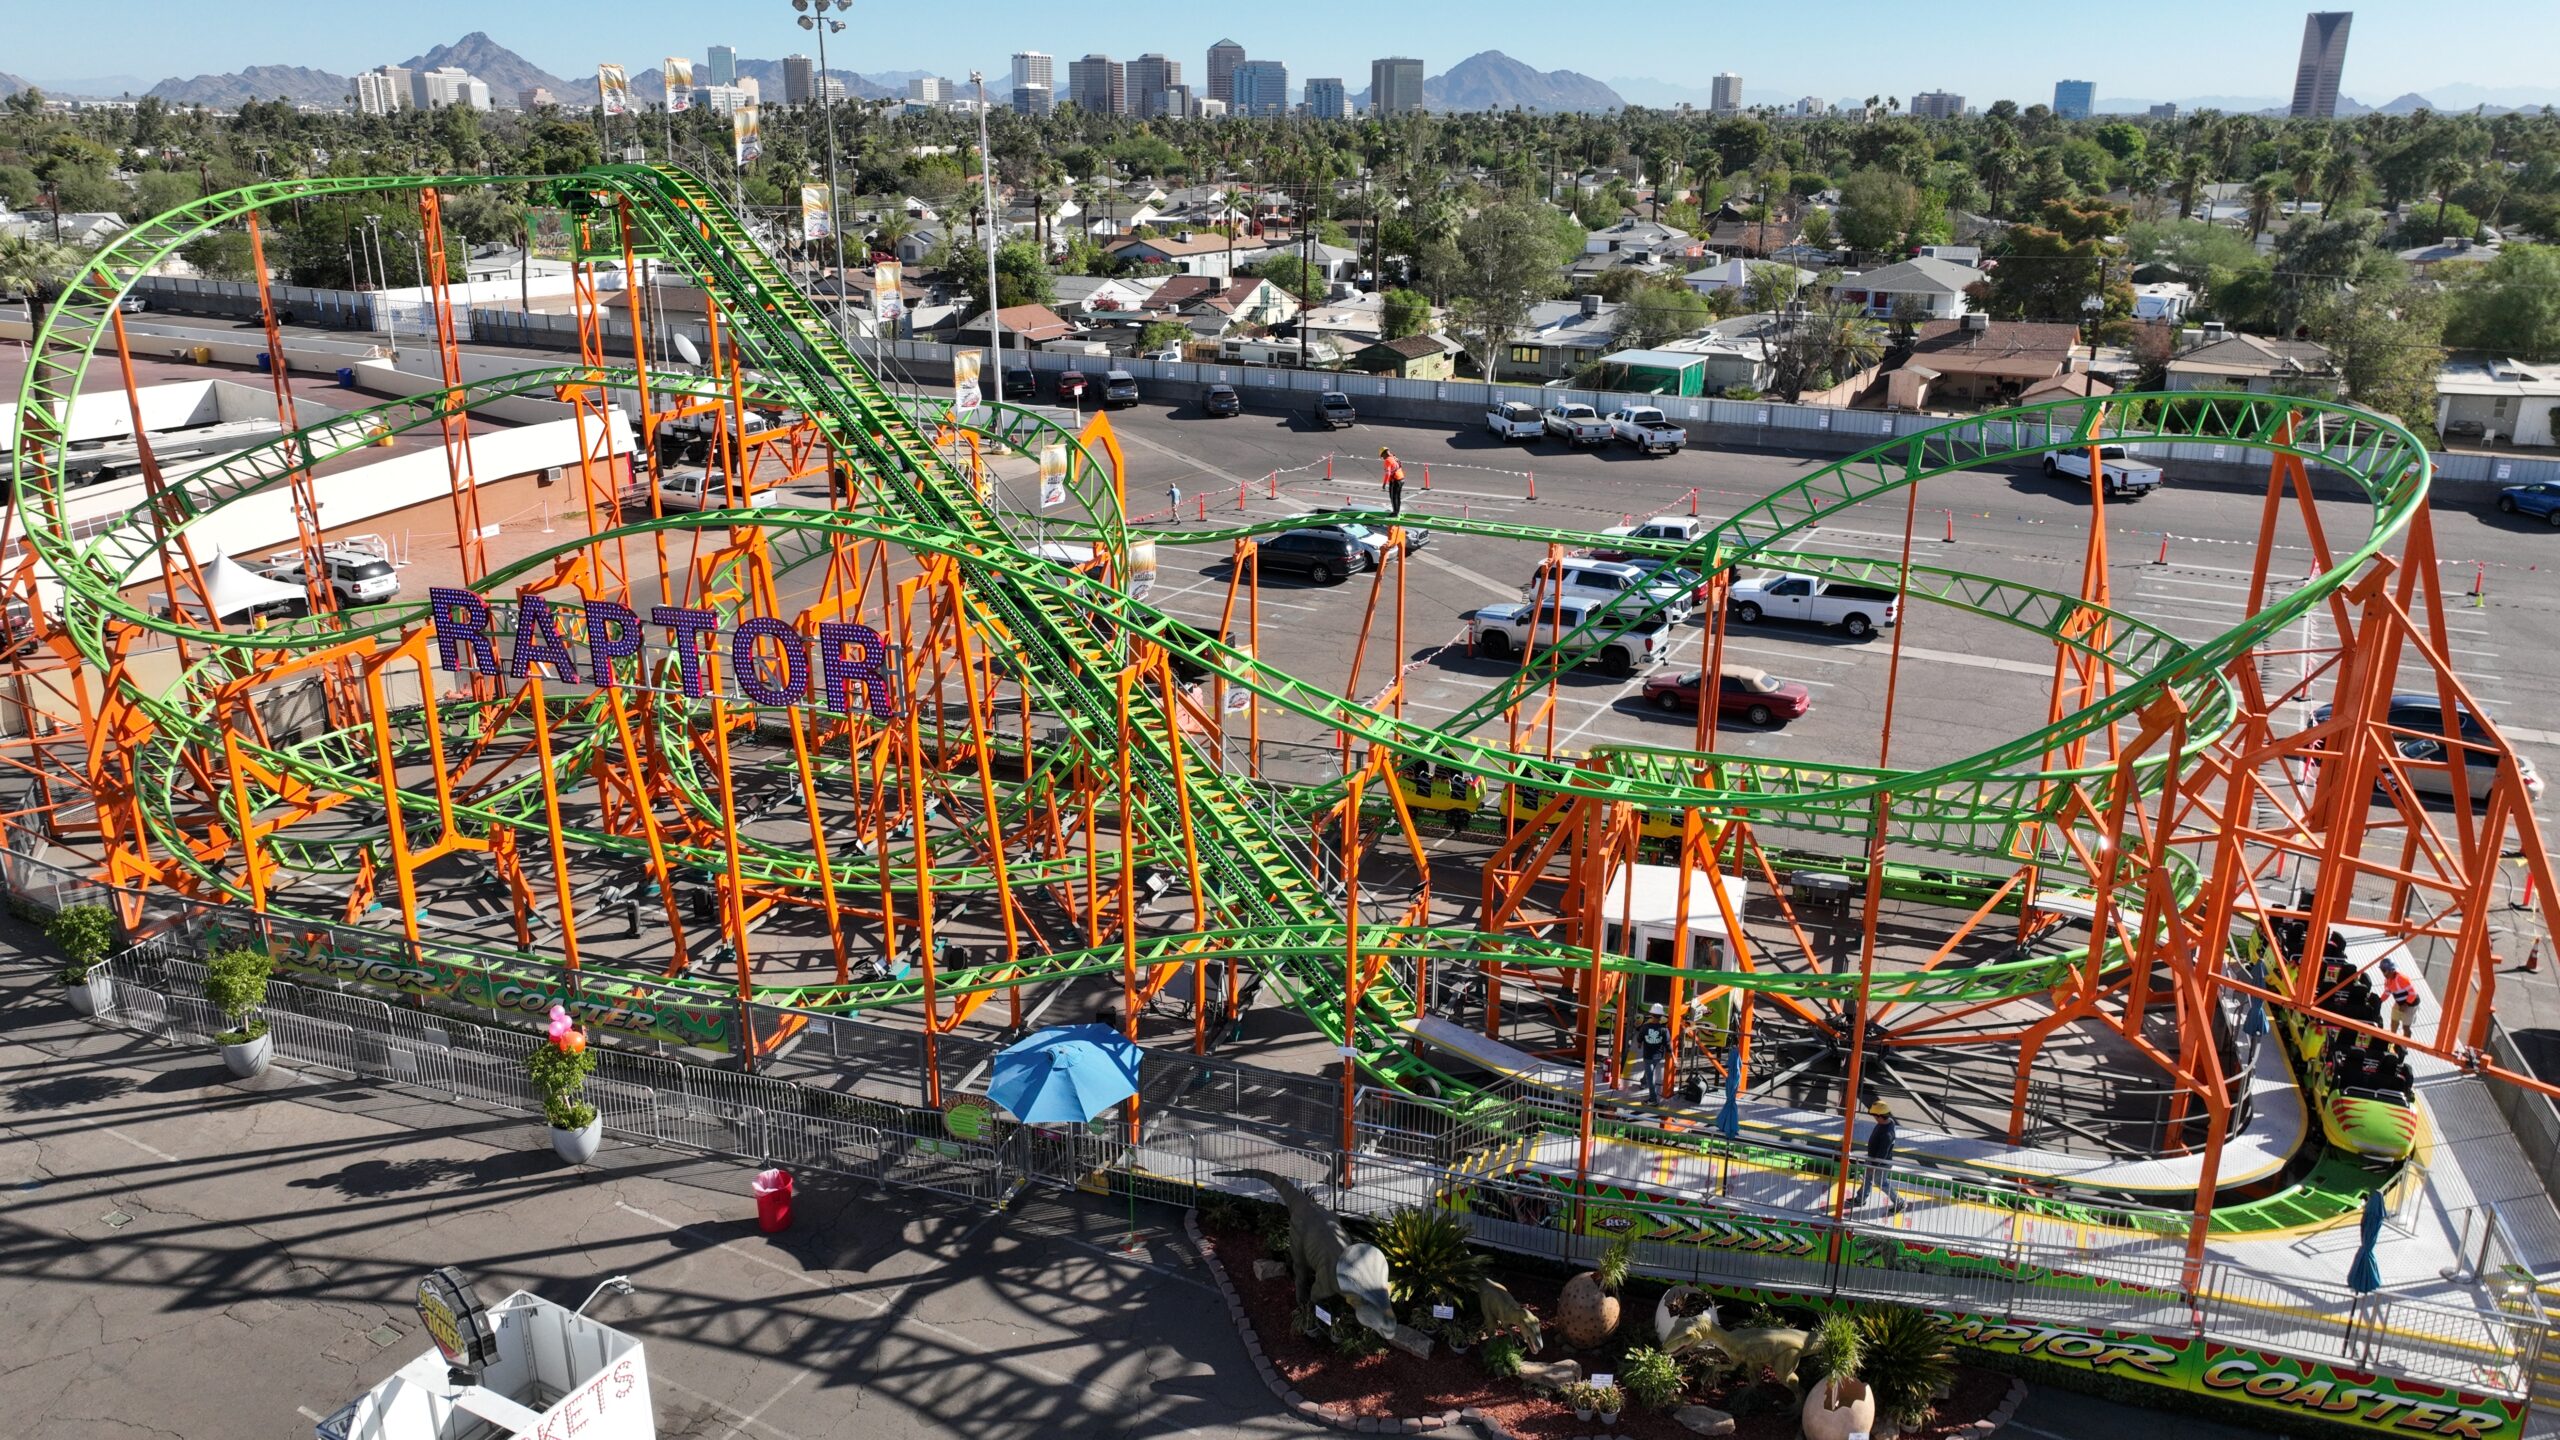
(2191, 173)
(2262, 205)
(1999, 169)
(2445, 177)
(2337, 177)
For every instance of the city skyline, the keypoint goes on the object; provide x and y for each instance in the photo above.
(2402, 47)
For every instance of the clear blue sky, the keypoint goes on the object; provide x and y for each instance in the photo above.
(1989, 49)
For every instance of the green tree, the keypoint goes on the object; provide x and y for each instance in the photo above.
(1876, 209)
(1402, 313)
(1303, 280)
(1831, 341)
(2124, 141)
(2048, 268)
(2510, 305)
(2426, 227)
(221, 255)
(1161, 335)
(1659, 314)
(2387, 339)
(1816, 228)
(1504, 260)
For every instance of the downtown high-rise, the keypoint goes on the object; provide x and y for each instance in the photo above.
(2324, 59)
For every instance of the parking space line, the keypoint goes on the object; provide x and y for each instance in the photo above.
(1477, 577)
(1732, 644)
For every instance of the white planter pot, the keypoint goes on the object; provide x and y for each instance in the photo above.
(89, 996)
(580, 1145)
(249, 1060)
(1854, 1412)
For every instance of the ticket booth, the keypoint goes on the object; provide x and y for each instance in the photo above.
(1640, 918)
(520, 1367)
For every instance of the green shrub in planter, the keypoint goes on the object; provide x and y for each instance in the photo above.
(236, 982)
(1905, 1360)
(560, 1078)
(1500, 1357)
(84, 934)
(1429, 1262)
(1652, 1379)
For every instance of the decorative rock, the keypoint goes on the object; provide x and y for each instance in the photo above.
(1267, 1269)
(1704, 1420)
(1412, 1342)
(1544, 1376)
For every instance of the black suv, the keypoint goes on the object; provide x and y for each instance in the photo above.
(1323, 556)
(1021, 384)
(1221, 400)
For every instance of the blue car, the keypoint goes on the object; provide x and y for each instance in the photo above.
(2541, 500)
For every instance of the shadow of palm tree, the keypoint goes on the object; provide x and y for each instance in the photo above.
(65, 1092)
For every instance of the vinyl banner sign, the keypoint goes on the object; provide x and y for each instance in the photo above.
(964, 379)
(746, 129)
(1053, 476)
(2310, 1389)
(888, 299)
(613, 90)
(762, 661)
(817, 221)
(679, 73)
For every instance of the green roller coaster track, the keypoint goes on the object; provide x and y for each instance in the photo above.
(1067, 630)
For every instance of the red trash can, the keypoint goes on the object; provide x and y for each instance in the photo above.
(773, 1200)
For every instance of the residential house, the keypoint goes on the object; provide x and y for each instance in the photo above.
(1026, 327)
(1737, 351)
(1976, 361)
(918, 243)
(2497, 402)
(1562, 338)
(1085, 296)
(1213, 305)
(1758, 239)
(1920, 288)
(1736, 274)
(1644, 237)
(1413, 357)
(1585, 270)
(2253, 363)
(2453, 251)
(1190, 253)
(1354, 321)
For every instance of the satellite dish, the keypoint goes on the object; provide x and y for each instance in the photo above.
(684, 348)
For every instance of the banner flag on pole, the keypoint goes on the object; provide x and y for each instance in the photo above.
(888, 301)
(1053, 476)
(747, 128)
(613, 90)
(817, 221)
(964, 379)
(679, 73)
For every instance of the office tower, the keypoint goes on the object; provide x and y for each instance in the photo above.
(1937, 105)
(1098, 84)
(1810, 105)
(1326, 99)
(2074, 99)
(1224, 57)
(397, 83)
(724, 99)
(1395, 85)
(450, 85)
(827, 89)
(374, 95)
(1033, 99)
(534, 97)
(2164, 112)
(724, 65)
(1030, 67)
(1258, 87)
(928, 90)
(1728, 93)
(1149, 76)
(2324, 56)
(1175, 103)
(799, 80)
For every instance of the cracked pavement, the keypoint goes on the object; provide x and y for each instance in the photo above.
(274, 1229)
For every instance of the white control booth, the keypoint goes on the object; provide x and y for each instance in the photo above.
(522, 1367)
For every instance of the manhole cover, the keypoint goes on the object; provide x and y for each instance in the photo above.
(115, 1219)
(384, 1335)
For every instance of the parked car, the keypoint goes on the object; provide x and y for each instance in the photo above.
(133, 305)
(1515, 420)
(1221, 400)
(1858, 609)
(1647, 429)
(1021, 385)
(359, 576)
(1498, 631)
(1603, 581)
(1119, 389)
(1678, 577)
(1754, 696)
(1188, 672)
(685, 490)
(1071, 385)
(2423, 717)
(2126, 477)
(1371, 537)
(1334, 412)
(2540, 500)
(1675, 529)
(1576, 422)
(1323, 555)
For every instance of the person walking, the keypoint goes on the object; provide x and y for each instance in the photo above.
(1173, 502)
(1878, 1171)
(2404, 999)
(1653, 1045)
(1393, 476)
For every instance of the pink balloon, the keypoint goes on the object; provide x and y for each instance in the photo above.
(560, 1022)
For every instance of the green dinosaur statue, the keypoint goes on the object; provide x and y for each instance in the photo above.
(1325, 1263)
(1505, 1315)
(1779, 1348)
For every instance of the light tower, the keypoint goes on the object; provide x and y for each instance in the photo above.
(814, 16)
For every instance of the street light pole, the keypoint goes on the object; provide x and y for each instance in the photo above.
(987, 167)
(822, 23)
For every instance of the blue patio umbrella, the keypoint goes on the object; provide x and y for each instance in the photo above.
(1729, 1119)
(1064, 1076)
(2364, 1274)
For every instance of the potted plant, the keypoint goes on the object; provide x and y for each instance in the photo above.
(1651, 1377)
(1579, 1396)
(1606, 1402)
(236, 982)
(84, 934)
(1430, 1267)
(1905, 1360)
(1838, 1404)
(559, 1068)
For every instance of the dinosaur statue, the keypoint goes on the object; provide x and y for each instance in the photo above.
(1505, 1315)
(1324, 1263)
(1778, 1348)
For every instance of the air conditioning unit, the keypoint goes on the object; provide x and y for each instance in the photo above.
(1977, 322)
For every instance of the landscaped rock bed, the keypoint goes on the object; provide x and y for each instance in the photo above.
(1392, 1386)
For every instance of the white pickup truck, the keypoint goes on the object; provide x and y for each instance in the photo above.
(1858, 609)
(1676, 529)
(2126, 477)
(1500, 631)
(1647, 429)
(1578, 423)
(1514, 420)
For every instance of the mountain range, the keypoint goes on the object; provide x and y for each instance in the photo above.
(1491, 80)
(10, 84)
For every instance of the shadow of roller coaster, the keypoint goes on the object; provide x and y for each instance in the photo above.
(1066, 633)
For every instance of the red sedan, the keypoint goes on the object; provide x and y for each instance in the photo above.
(1754, 696)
